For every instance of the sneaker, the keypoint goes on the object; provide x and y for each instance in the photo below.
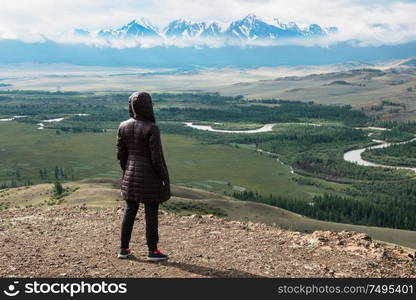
(156, 256)
(124, 253)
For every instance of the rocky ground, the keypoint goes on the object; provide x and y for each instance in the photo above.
(83, 242)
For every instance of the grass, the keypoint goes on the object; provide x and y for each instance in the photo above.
(186, 208)
(230, 125)
(315, 88)
(219, 168)
(237, 126)
(27, 149)
(102, 192)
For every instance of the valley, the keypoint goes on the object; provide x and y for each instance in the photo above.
(285, 155)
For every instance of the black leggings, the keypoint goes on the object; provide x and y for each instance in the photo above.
(151, 215)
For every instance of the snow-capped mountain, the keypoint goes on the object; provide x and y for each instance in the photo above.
(138, 28)
(212, 30)
(184, 29)
(249, 28)
(135, 29)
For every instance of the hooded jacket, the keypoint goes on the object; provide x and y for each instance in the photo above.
(139, 150)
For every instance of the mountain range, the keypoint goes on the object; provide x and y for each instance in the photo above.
(249, 43)
(249, 28)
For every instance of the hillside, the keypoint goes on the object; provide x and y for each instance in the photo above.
(81, 237)
(105, 193)
(82, 242)
(360, 88)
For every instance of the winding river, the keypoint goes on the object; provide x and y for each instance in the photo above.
(265, 128)
(12, 118)
(41, 125)
(352, 156)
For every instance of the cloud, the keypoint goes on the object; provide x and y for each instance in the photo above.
(366, 22)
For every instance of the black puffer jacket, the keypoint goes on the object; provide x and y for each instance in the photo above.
(139, 150)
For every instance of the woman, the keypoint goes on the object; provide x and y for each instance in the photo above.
(145, 175)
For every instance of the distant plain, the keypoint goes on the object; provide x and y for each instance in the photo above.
(357, 84)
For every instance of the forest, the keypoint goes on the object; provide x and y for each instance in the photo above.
(396, 155)
(394, 214)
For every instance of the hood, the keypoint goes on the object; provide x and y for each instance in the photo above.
(141, 106)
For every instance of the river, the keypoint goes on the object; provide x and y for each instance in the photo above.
(12, 118)
(353, 156)
(41, 125)
(265, 128)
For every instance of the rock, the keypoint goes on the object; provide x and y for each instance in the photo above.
(363, 236)
(87, 242)
(215, 232)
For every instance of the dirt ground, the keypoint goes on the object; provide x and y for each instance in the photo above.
(83, 242)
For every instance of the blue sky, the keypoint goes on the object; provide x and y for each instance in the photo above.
(371, 22)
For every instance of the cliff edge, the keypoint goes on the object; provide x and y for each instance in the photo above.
(78, 241)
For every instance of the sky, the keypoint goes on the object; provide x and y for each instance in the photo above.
(374, 22)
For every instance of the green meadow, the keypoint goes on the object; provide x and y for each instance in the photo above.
(217, 167)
